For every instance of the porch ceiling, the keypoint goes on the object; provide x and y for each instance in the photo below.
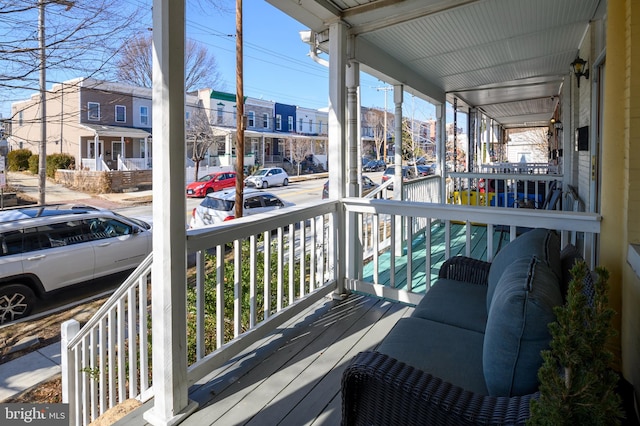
(507, 57)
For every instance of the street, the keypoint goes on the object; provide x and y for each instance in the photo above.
(307, 191)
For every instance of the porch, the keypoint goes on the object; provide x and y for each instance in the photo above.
(267, 331)
(293, 375)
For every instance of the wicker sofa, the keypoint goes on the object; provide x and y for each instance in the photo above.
(470, 352)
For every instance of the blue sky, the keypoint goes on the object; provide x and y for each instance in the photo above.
(276, 64)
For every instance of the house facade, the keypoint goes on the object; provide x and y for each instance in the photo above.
(97, 122)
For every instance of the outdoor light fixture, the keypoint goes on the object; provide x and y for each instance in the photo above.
(579, 68)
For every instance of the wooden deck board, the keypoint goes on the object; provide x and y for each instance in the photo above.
(299, 383)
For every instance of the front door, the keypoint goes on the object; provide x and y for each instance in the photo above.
(91, 148)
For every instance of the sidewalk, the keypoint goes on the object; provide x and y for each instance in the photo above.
(28, 184)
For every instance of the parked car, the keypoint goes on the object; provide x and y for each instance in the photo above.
(408, 173)
(211, 182)
(367, 186)
(426, 170)
(219, 207)
(266, 177)
(43, 249)
(374, 166)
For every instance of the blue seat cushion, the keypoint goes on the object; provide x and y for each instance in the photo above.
(455, 303)
(542, 243)
(451, 353)
(517, 327)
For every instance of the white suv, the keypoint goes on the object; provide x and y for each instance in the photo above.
(47, 248)
(267, 177)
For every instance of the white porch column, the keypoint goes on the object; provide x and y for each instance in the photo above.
(96, 157)
(337, 137)
(171, 403)
(353, 244)
(397, 178)
(397, 100)
(441, 148)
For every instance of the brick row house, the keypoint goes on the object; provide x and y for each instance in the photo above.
(106, 126)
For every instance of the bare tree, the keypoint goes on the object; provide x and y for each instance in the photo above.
(199, 136)
(79, 39)
(134, 64)
(411, 146)
(300, 149)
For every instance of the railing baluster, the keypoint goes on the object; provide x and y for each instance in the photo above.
(252, 281)
(200, 304)
(102, 362)
(219, 296)
(132, 338)
(237, 288)
(122, 389)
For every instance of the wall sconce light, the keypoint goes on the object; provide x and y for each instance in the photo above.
(579, 68)
(558, 125)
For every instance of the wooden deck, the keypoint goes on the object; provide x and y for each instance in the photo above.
(437, 248)
(292, 377)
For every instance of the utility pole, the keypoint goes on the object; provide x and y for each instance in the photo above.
(240, 118)
(384, 144)
(42, 159)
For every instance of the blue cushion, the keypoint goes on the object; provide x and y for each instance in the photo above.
(455, 303)
(517, 327)
(538, 242)
(451, 353)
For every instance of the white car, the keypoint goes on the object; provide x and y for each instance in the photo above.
(266, 177)
(219, 207)
(43, 249)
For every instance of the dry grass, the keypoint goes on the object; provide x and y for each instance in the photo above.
(47, 329)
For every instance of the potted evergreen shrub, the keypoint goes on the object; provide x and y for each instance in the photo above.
(577, 385)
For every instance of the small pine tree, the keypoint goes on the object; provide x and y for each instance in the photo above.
(577, 387)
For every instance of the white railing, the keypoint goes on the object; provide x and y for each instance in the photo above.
(528, 168)
(134, 163)
(399, 275)
(108, 361)
(278, 263)
(501, 189)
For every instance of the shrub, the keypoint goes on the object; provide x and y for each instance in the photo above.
(34, 163)
(577, 386)
(59, 161)
(18, 160)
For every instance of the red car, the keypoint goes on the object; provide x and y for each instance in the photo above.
(211, 183)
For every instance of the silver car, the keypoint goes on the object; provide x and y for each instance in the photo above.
(219, 207)
(43, 249)
(266, 177)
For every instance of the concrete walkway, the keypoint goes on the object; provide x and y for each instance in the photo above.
(28, 184)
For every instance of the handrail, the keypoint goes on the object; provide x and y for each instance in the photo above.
(131, 281)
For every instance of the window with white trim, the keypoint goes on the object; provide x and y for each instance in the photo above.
(265, 120)
(278, 122)
(300, 125)
(144, 115)
(290, 119)
(93, 111)
(121, 113)
(251, 119)
(220, 112)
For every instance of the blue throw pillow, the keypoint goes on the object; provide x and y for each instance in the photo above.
(517, 327)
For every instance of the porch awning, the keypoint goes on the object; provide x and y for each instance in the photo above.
(223, 131)
(116, 131)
